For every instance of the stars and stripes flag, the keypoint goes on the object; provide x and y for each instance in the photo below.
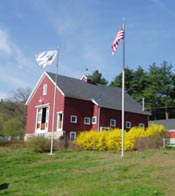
(120, 35)
(46, 58)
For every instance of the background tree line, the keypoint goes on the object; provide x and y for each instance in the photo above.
(13, 114)
(156, 85)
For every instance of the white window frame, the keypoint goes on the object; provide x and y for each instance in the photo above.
(73, 117)
(142, 125)
(94, 120)
(128, 124)
(38, 121)
(112, 123)
(87, 120)
(74, 135)
(40, 134)
(59, 121)
(45, 89)
(104, 129)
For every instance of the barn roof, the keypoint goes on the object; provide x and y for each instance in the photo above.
(102, 95)
(168, 123)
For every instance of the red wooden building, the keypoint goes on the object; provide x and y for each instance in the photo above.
(80, 105)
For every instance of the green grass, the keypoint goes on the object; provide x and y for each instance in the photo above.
(83, 173)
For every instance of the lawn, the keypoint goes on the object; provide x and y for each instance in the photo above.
(87, 173)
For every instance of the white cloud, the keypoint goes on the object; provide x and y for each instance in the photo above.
(14, 63)
(16, 57)
(5, 45)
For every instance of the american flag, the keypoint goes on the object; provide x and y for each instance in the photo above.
(120, 35)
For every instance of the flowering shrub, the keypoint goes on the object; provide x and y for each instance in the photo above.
(88, 139)
(111, 140)
(154, 129)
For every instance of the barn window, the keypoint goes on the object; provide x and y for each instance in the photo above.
(73, 119)
(94, 120)
(59, 121)
(104, 129)
(87, 121)
(73, 135)
(45, 89)
(141, 125)
(112, 123)
(128, 124)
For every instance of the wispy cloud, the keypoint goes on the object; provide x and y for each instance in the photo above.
(14, 63)
(14, 54)
(5, 45)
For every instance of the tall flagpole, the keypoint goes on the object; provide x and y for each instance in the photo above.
(54, 105)
(123, 93)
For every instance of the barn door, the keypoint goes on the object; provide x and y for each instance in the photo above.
(42, 118)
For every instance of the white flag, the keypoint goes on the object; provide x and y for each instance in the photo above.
(46, 58)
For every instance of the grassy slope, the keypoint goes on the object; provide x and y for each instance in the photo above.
(87, 173)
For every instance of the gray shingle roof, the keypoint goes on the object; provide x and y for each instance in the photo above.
(104, 96)
(168, 123)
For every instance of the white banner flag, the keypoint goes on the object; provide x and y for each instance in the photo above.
(46, 58)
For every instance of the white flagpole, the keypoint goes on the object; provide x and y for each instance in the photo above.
(54, 105)
(123, 94)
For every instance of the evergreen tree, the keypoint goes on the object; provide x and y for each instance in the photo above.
(98, 78)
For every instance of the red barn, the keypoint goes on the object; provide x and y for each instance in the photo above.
(80, 105)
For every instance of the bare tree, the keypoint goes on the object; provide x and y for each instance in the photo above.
(20, 95)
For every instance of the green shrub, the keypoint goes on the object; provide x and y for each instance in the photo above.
(12, 128)
(38, 144)
(153, 142)
(42, 144)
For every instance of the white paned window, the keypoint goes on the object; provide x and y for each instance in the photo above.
(141, 125)
(112, 123)
(128, 124)
(73, 119)
(104, 129)
(73, 135)
(45, 89)
(87, 121)
(94, 120)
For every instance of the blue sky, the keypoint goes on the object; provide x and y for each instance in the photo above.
(83, 30)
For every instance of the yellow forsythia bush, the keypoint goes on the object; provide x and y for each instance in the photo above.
(155, 128)
(111, 140)
(88, 139)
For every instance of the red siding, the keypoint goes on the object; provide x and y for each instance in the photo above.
(135, 119)
(79, 108)
(95, 113)
(172, 134)
(46, 99)
(107, 114)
